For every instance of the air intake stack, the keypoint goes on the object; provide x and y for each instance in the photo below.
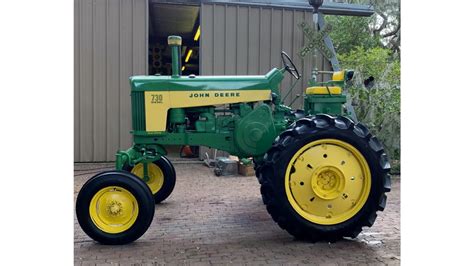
(175, 43)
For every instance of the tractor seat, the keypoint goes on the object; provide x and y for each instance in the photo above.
(324, 90)
(336, 76)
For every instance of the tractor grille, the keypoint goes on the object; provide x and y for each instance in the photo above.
(138, 111)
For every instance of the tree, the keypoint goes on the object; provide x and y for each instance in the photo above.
(387, 23)
(371, 46)
(349, 32)
(380, 30)
(379, 106)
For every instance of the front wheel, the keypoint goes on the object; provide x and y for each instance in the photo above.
(115, 207)
(162, 177)
(325, 178)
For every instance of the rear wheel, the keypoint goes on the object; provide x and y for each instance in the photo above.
(115, 207)
(325, 178)
(162, 177)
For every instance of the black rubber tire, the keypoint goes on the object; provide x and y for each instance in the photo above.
(170, 165)
(170, 178)
(128, 181)
(257, 165)
(272, 175)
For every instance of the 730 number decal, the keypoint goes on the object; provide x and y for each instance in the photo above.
(156, 98)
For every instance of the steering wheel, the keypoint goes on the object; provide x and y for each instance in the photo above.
(289, 65)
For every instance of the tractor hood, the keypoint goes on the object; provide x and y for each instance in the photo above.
(186, 83)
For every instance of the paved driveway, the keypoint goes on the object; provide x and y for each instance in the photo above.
(222, 220)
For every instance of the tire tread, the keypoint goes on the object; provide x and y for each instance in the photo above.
(298, 133)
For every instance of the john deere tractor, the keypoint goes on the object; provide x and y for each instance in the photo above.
(322, 176)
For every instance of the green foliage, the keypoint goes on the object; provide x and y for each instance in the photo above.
(377, 107)
(376, 62)
(351, 31)
(371, 46)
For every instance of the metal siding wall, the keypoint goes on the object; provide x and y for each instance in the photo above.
(76, 83)
(242, 41)
(111, 44)
(247, 40)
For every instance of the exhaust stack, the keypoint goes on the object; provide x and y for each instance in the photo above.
(175, 43)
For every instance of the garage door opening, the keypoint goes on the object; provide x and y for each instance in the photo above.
(169, 19)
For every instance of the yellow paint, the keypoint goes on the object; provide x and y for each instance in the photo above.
(338, 76)
(155, 174)
(198, 33)
(157, 103)
(190, 52)
(331, 181)
(182, 68)
(323, 90)
(113, 209)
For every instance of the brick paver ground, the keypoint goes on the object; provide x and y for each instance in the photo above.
(222, 220)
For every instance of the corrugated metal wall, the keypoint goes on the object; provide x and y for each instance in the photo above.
(110, 44)
(241, 39)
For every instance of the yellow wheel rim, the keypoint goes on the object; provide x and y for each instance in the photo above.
(154, 173)
(113, 209)
(327, 181)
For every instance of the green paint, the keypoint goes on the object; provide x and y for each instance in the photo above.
(242, 129)
(324, 104)
(175, 55)
(206, 83)
(177, 116)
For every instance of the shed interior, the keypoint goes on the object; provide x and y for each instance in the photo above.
(172, 19)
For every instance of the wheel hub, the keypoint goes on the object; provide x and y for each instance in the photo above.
(114, 208)
(327, 182)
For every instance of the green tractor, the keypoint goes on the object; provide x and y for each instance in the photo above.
(322, 176)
